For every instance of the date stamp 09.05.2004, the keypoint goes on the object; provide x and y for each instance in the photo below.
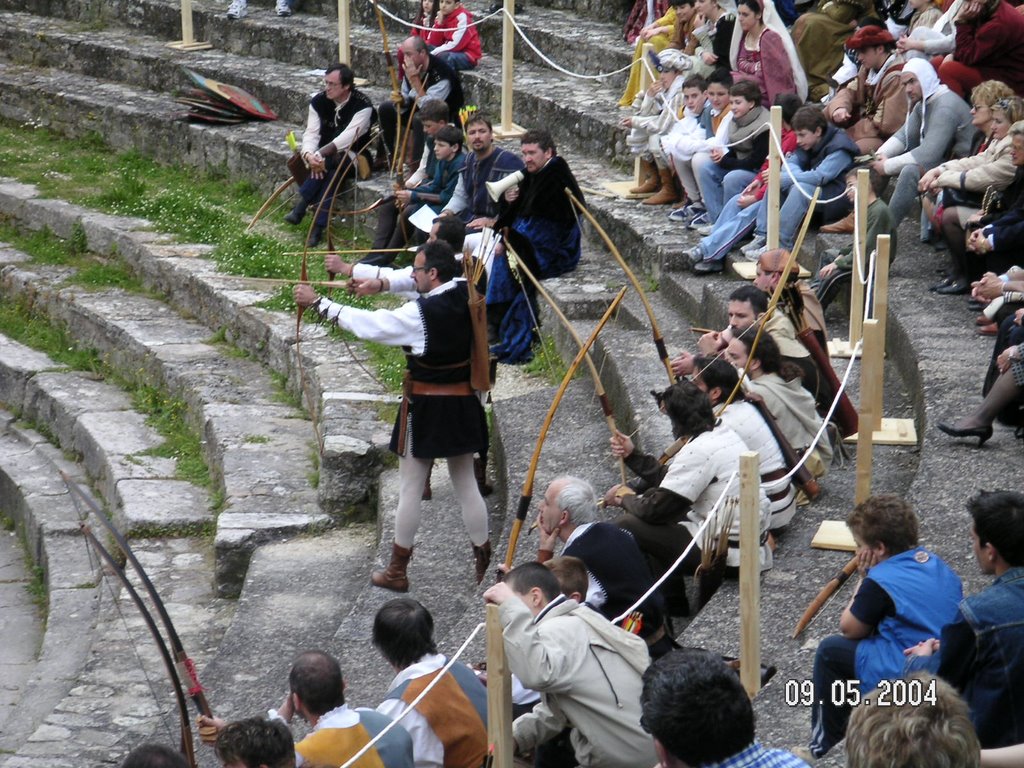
(890, 693)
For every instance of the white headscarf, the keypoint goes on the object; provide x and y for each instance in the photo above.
(771, 20)
(926, 75)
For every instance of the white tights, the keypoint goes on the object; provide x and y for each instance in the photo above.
(412, 473)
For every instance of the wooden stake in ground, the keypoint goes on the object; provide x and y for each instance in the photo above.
(774, 193)
(750, 572)
(499, 694)
(188, 41)
(507, 129)
(839, 347)
(870, 375)
(344, 27)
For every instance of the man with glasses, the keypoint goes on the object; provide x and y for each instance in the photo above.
(337, 130)
(441, 415)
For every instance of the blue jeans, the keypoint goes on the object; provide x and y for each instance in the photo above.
(835, 659)
(733, 225)
(794, 208)
(718, 185)
(457, 60)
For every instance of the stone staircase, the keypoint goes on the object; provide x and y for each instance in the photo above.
(101, 68)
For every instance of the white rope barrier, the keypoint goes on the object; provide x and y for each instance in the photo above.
(689, 547)
(413, 25)
(412, 704)
(555, 66)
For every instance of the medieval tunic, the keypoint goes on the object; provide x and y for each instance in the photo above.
(343, 731)
(819, 37)
(876, 103)
(543, 230)
(449, 725)
(436, 334)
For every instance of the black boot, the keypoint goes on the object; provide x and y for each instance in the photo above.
(316, 234)
(297, 213)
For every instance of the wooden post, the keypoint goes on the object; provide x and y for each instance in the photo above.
(880, 307)
(870, 373)
(344, 32)
(507, 129)
(187, 42)
(499, 694)
(845, 347)
(750, 572)
(774, 177)
(621, 188)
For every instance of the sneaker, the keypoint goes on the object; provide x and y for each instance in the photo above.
(699, 220)
(690, 257)
(284, 8)
(238, 9)
(753, 250)
(704, 231)
(708, 267)
(686, 214)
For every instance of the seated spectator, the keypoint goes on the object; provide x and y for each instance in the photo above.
(819, 36)
(926, 15)
(938, 126)
(658, 34)
(153, 755)
(699, 714)
(256, 743)
(688, 143)
(931, 733)
(666, 505)
(734, 165)
(714, 35)
(655, 113)
(317, 695)
(762, 51)
(960, 186)
(434, 116)
(572, 575)
(872, 106)
(586, 669)
(1002, 298)
(423, 26)
(393, 220)
(617, 574)
(824, 154)
(989, 46)
(982, 648)
(905, 592)
(836, 266)
(718, 380)
(640, 16)
(931, 39)
(739, 215)
(459, 46)
(449, 725)
(778, 384)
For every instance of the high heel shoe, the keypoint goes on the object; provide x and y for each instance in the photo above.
(982, 433)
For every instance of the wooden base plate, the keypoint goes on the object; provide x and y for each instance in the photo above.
(621, 189)
(833, 534)
(748, 270)
(893, 432)
(512, 132)
(181, 45)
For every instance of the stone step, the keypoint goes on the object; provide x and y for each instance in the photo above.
(340, 390)
(543, 97)
(258, 450)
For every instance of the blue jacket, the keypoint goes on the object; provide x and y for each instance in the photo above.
(925, 592)
(982, 654)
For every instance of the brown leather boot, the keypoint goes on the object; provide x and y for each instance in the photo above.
(844, 226)
(667, 195)
(648, 179)
(393, 577)
(480, 471)
(482, 555)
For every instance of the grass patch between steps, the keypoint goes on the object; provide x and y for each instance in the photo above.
(547, 363)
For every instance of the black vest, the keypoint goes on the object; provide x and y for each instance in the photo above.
(334, 121)
(449, 336)
(437, 71)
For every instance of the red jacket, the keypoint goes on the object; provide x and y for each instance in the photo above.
(468, 43)
(995, 47)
